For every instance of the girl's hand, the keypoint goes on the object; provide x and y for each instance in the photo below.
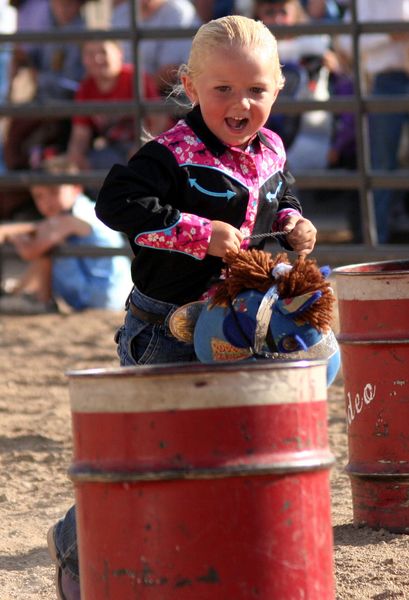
(224, 237)
(301, 234)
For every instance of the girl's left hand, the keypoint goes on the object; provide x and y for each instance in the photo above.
(301, 235)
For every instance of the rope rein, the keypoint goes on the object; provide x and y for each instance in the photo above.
(259, 236)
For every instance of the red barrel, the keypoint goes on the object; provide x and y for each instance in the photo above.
(203, 482)
(374, 336)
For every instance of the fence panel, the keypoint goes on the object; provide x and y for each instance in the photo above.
(364, 180)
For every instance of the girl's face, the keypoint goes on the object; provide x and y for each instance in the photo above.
(235, 89)
(54, 199)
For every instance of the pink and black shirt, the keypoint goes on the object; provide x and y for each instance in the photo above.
(166, 197)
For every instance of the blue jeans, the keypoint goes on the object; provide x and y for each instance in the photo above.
(385, 133)
(139, 343)
(65, 537)
(5, 59)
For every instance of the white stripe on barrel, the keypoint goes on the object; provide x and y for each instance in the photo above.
(373, 281)
(186, 387)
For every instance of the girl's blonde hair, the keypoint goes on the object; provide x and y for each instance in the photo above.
(231, 31)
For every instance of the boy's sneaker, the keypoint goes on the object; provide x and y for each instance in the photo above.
(25, 304)
(65, 586)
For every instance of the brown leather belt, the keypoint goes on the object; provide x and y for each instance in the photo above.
(149, 317)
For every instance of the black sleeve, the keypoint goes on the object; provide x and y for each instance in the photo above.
(288, 200)
(140, 196)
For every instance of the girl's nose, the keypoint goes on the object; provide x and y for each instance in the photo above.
(243, 102)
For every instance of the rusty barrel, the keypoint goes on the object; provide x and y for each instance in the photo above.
(373, 301)
(204, 482)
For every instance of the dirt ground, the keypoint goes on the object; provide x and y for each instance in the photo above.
(35, 452)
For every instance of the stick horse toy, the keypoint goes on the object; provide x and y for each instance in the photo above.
(263, 308)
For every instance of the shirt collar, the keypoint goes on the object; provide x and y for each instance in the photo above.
(196, 122)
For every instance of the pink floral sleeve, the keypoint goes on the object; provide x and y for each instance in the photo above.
(190, 235)
(282, 216)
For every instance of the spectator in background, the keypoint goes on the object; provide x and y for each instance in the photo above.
(29, 15)
(342, 151)
(316, 139)
(80, 281)
(160, 58)
(98, 141)
(32, 15)
(343, 6)
(293, 49)
(7, 25)
(213, 9)
(56, 70)
(120, 18)
(385, 65)
(302, 57)
(319, 10)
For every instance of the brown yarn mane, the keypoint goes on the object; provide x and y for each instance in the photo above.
(252, 270)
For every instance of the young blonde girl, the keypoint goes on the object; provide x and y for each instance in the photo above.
(199, 190)
(204, 187)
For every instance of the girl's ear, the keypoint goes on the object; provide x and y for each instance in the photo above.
(189, 88)
(276, 94)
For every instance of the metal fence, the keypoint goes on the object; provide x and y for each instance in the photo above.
(363, 179)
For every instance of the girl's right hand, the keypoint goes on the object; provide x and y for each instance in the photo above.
(224, 237)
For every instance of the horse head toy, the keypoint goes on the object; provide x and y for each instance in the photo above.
(264, 307)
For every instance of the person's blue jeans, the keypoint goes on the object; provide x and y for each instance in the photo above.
(139, 343)
(385, 134)
(5, 59)
(65, 538)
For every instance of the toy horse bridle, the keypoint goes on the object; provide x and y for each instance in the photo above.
(263, 334)
(263, 317)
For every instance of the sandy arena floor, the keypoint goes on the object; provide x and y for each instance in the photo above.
(35, 452)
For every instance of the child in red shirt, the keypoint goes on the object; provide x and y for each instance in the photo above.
(99, 140)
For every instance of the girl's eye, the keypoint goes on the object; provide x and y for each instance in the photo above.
(223, 88)
(257, 90)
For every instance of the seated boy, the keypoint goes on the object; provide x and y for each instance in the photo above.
(80, 281)
(55, 69)
(98, 141)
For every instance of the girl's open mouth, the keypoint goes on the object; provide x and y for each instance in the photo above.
(236, 124)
